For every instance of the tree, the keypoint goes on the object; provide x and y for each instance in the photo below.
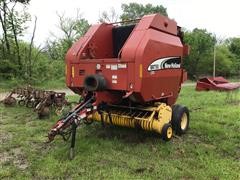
(134, 10)
(234, 47)
(13, 23)
(109, 16)
(201, 45)
(224, 61)
(72, 29)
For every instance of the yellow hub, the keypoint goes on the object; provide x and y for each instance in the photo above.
(184, 121)
(169, 132)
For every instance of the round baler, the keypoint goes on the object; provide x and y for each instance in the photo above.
(129, 74)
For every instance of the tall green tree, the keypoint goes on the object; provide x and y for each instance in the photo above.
(13, 24)
(135, 10)
(201, 52)
(224, 61)
(234, 47)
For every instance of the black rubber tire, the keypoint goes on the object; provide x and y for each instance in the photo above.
(95, 82)
(178, 112)
(165, 135)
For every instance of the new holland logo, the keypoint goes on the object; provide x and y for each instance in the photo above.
(165, 63)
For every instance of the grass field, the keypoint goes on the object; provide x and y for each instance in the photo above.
(7, 85)
(210, 149)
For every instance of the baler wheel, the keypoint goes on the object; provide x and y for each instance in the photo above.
(180, 119)
(167, 132)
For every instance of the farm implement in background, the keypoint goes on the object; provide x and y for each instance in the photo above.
(216, 84)
(220, 84)
(40, 100)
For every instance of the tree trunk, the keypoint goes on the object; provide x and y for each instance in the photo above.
(3, 49)
(30, 48)
(16, 40)
(4, 28)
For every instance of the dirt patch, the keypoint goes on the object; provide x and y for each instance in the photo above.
(14, 157)
(5, 137)
(142, 170)
(3, 95)
(131, 136)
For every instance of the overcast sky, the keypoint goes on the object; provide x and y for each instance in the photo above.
(217, 16)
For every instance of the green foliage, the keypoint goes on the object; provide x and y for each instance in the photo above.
(43, 68)
(8, 69)
(201, 45)
(13, 25)
(134, 10)
(234, 47)
(200, 60)
(224, 61)
(57, 49)
(19, 20)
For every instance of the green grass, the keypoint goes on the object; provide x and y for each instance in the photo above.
(210, 149)
(7, 85)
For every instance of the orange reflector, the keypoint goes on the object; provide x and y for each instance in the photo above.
(140, 71)
(73, 74)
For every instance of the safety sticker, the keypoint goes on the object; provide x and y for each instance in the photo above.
(114, 76)
(114, 81)
(114, 67)
(122, 66)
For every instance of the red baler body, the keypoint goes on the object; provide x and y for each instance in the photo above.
(141, 62)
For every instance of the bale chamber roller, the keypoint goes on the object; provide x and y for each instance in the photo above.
(128, 74)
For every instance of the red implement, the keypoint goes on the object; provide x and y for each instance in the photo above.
(143, 60)
(217, 83)
(128, 75)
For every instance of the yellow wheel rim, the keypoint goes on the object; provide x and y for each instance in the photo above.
(184, 121)
(169, 132)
